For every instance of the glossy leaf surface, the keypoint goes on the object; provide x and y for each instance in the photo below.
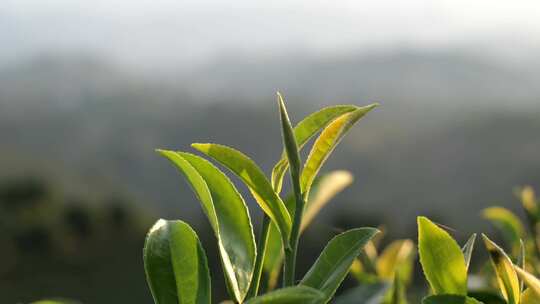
(333, 264)
(228, 216)
(257, 183)
(175, 265)
(441, 258)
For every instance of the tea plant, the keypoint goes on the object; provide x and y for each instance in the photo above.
(175, 261)
(176, 265)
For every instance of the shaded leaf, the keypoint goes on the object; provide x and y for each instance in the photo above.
(333, 264)
(468, 250)
(291, 295)
(487, 297)
(449, 299)
(257, 183)
(441, 258)
(175, 264)
(228, 216)
(306, 129)
(326, 143)
(365, 294)
(506, 275)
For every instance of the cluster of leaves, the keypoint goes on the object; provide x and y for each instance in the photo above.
(502, 280)
(177, 270)
(175, 261)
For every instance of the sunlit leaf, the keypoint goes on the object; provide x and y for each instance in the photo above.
(257, 183)
(468, 249)
(449, 299)
(326, 143)
(441, 258)
(306, 129)
(506, 275)
(333, 264)
(395, 256)
(175, 264)
(228, 216)
(365, 294)
(291, 295)
(323, 190)
(531, 281)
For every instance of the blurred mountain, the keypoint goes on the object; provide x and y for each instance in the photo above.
(454, 133)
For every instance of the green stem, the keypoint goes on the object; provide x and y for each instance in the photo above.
(259, 262)
(289, 267)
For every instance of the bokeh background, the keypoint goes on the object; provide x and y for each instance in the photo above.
(88, 90)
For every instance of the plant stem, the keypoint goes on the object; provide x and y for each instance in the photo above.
(289, 267)
(259, 262)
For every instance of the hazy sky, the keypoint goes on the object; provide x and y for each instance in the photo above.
(191, 31)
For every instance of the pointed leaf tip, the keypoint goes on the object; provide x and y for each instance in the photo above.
(441, 259)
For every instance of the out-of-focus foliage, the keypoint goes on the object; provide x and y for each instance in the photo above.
(48, 237)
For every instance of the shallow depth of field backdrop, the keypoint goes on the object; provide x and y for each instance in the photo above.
(88, 89)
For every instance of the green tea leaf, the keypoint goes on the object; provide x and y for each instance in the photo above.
(333, 264)
(531, 281)
(291, 295)
(441, 258)
(449, 299)
(506, 275)
(175, 264)
(324, 189)
(508, 223)
(290, 143)
(306, 129)
(257, 183)
(327, 142)
(365, 294)
(468, 250)
(228, 216)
